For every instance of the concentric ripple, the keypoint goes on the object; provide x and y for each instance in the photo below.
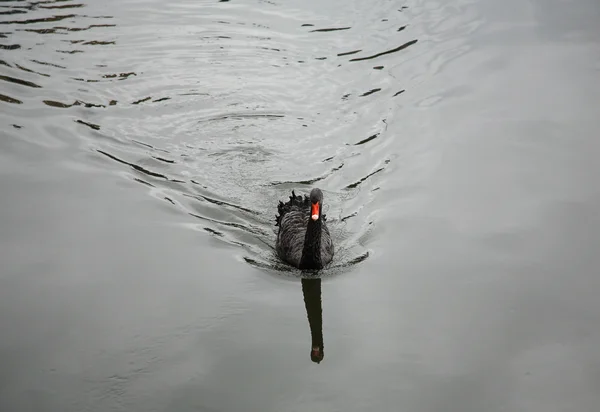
(224, 116)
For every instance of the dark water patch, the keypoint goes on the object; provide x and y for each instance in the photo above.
(307, 25)
(143, 182)
(149, 146)
(356, 184)
(9, 99)
(88, 124)
(119, 76)
(163, 159)
(212, 231)
(403, 27)
(69, 52)
(145, 99)
(98, 43)
(60, 105)
(240, 116)
(63, 6)
(368, 139)
(42, 20)
(42, 31)
(370, 92)
(162, 99)
(3, 63)
(60, 29)
(136, 167)
(78, 79)
(252, 230)
(10, 46)
(13, 11)
(330, 29)
(222, 203)
(328, 159)
(16, 126)
(343, 219)
(168, 199)
(378, 67)
(349, 53)
(48, 64)
(320, 58)
(397, 49)
(400, 92)
(19, 81)
(31, 71)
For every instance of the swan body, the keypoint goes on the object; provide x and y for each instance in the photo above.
(303, 239)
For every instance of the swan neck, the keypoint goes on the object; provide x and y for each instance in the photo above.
(311, 252)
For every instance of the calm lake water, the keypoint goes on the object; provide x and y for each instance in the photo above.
(144, 146)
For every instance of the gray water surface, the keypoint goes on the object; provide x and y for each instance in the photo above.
(144, 146)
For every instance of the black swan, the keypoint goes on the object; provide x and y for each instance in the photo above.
(303, 240)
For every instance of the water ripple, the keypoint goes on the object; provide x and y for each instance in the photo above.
(226, 112)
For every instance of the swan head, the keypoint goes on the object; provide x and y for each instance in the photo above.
(316, 201)
(316, 354)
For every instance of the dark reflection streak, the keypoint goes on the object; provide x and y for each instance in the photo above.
(143, 182)
(311, 290)
(19, 81)
(213, 232)
(44, 20)
(31, 71)
(90, 125)
(10, 46)
(400, 92)
(310, 181)
(350, 52)
(353, 185)
(149, 146)
(56, 29)
(402, 28)
(163, 160)
(331, 29)
(242, 116)
(222, 203)
(98, 43)
(370, 92)
(136, 167)
(53, 103)
(4, 63)
(145, 99)
(8, 99)
(404, 46)
(14, 11)
(235, 225)
(65, 6)
(368, 139)
(348, 217)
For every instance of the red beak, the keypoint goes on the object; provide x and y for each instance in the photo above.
(314, 211)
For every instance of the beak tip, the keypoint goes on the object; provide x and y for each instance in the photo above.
(315, 217)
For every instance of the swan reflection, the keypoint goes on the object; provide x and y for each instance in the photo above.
(311, 289)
